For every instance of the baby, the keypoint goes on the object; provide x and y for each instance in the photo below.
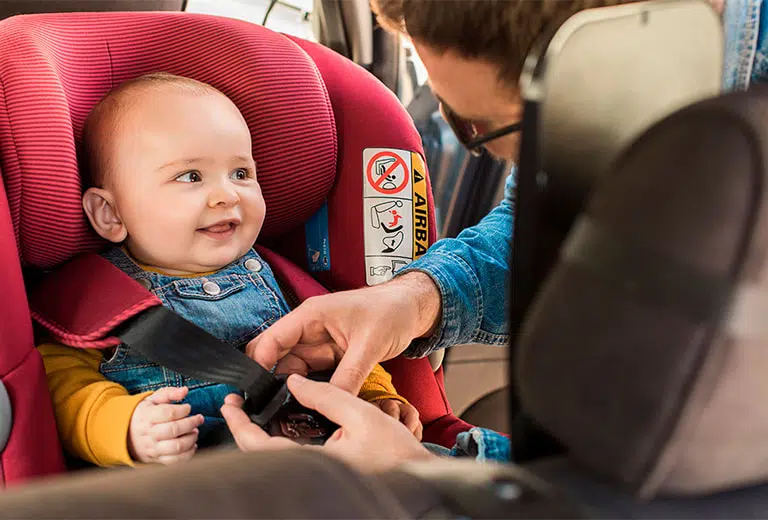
(174, 187)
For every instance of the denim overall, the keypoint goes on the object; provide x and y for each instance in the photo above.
(234, 304)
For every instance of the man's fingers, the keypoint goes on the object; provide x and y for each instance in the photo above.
(343, 408)
(173, 429)
(292, 364)
(248, 436)
(235, 400)
(176, 446)
(290, 330)
(275, 342)
(169, 394)
(310, 358)
(163, 413)
(353, 368)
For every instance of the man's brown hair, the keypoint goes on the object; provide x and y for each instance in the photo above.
(501, 32)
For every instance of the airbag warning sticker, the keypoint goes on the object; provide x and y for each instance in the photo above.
(396, 218)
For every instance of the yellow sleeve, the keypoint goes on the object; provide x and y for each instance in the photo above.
(92, 413)
(378, 386)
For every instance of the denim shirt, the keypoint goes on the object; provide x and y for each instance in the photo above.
(746, 46)
(471, 269)
(471, 273)
(234, 304)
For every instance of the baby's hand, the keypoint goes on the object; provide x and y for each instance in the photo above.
(162, 432)
(403, 412)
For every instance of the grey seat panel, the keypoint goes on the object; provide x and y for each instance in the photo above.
(6, 417)
(490, 411)
(603, 499)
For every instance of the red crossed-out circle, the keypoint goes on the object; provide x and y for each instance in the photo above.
(399, 163)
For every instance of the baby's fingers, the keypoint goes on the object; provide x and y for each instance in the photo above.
(173, 429)
(169, 394)
(170, 459)
(411, 420)
(390, 407)
(163, 413)
(176, 447)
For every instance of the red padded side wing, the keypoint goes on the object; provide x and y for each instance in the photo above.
(33, 447)
(83, 300)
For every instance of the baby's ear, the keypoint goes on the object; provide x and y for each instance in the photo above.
(99, 205)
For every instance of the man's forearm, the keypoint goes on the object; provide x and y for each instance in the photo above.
(423, 292)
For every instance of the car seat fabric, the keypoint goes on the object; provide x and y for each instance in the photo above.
(55, 67)
(365, 113)
(645, 352)
(310, 111)
(32, 449)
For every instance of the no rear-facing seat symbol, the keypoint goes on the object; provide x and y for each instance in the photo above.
(381, 166)
(387, 173)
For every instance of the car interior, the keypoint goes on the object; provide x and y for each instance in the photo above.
(638, 251)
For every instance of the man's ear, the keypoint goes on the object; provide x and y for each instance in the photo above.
(100, 207)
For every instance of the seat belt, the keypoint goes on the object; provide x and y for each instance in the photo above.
(128, 313)
(167, 339)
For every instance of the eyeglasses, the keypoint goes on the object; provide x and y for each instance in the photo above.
(467, 134)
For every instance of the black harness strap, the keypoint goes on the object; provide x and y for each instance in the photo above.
(169, 340)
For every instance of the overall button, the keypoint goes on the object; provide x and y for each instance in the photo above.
(211, 288)
(253, 265)
(145, 283)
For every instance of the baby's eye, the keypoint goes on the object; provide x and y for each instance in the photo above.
(240, 174)
(190, 176)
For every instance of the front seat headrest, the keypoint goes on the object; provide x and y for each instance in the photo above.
(645, 352)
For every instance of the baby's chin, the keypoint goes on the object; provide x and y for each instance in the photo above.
(190, 268)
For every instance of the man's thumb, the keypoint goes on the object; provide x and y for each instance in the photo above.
(352, 370)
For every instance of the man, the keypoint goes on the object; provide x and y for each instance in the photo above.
(474, 52)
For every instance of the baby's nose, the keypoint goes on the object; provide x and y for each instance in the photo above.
(223, 196)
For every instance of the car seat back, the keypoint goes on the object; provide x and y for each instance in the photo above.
(645, 352)
(624, 67)
(319, 126)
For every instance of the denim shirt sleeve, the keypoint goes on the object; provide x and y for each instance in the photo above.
(745, 26)
(483, 445)
(471, 273)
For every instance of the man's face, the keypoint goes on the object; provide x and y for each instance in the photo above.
(473, 91)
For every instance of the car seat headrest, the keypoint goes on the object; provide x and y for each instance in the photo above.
(646, 352)
(55, 68)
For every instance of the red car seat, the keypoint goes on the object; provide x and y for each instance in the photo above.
(315, 118)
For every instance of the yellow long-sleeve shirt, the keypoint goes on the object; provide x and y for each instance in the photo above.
(93, 413)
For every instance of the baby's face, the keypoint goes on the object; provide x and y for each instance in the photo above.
(184, 181)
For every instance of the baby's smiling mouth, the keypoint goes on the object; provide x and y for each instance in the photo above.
(220, 230)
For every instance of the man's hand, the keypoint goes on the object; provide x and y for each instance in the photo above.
(352, 329)
(367, 439)
(162, 432)
(403, 412)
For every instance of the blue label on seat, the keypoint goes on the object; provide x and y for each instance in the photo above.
(318, 249)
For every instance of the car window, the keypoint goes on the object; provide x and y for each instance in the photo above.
(292, 17)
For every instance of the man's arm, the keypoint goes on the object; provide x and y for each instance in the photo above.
(456, 293)
(470, 272)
